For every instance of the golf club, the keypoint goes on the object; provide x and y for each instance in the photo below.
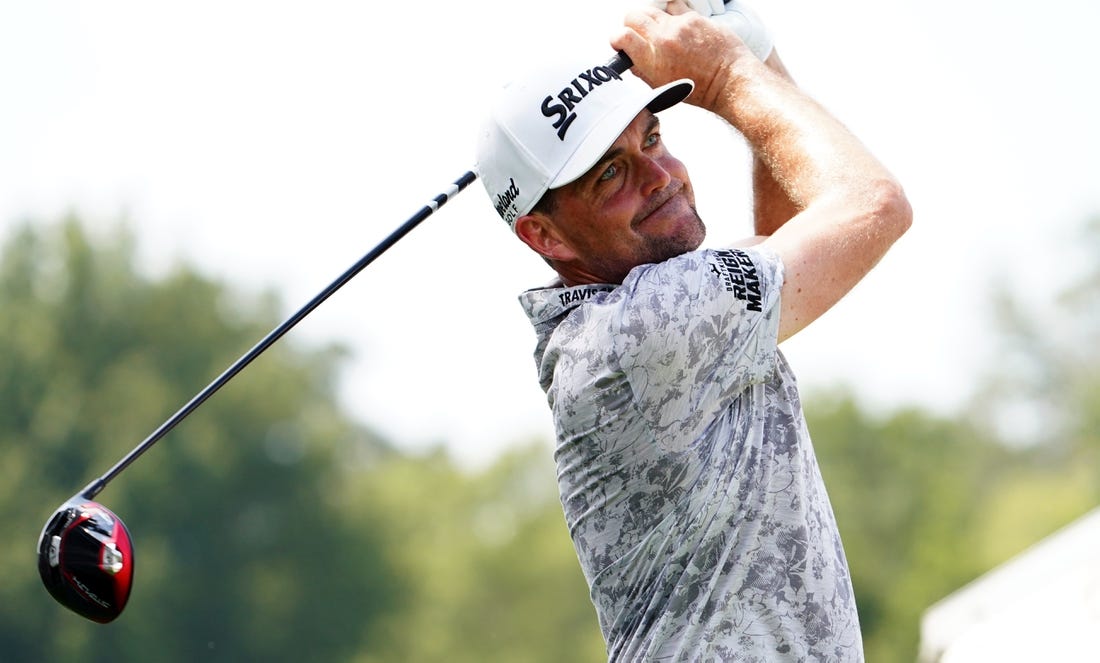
(85, 554)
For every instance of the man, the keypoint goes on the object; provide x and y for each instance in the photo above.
(687, 476)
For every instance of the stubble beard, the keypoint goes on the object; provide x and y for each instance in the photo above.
(654, 250)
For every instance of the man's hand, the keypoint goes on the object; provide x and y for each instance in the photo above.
(748, 26)
(680, 43)
(735, 15)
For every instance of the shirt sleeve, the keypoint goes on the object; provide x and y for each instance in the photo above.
(697, 330)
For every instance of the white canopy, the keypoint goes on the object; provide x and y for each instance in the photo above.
(1042, 605)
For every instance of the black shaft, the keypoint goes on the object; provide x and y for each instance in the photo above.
(92, 489)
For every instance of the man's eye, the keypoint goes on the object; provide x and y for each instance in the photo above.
(652, 139)
(609, 172)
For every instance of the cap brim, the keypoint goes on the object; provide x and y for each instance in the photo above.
(608, 129)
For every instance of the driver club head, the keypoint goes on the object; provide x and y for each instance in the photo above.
(86, 559)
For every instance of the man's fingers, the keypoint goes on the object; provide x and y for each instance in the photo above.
(626, 40)
(629, 39)
(675, 7)
(642, 20)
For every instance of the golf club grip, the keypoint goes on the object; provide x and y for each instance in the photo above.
(620, 63)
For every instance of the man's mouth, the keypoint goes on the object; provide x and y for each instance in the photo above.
(660, 199)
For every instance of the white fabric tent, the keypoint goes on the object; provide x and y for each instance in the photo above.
(1042, 605)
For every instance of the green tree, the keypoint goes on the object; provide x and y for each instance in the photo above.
(908, 489)
(243, 551)
(492, 571)
(925, 504)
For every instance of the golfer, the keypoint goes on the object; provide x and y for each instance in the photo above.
(687, 475)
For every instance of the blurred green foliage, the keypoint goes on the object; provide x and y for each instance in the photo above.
(243, 549)
(272, 527)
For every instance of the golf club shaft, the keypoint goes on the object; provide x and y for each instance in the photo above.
(92, 489)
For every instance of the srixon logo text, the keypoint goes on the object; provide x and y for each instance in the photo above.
(507, 197)
(563, 113)
(736, 270)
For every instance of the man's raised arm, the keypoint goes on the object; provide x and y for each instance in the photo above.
(851, 208)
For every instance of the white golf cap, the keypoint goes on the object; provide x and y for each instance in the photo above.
(549, 129)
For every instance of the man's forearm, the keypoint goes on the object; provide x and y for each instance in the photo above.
(772, 207)
(809, 153)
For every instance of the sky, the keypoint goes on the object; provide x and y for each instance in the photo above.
(271, 144)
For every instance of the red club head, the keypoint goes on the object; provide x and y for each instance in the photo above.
(86, 559)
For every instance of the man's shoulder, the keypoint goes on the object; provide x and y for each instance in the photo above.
(728, 269)
(547, 303)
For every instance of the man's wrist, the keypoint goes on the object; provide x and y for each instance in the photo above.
(734, 84)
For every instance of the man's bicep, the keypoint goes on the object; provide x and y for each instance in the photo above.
(827, 249)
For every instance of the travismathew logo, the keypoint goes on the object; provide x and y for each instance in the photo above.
(737, 271)
(564, 113)
(505, 202)
(581, 294)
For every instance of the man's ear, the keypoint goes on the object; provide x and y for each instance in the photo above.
(538, 232)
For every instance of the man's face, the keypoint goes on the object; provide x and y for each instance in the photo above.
(635, 206)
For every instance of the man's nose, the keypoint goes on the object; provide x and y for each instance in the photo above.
(654, 175)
